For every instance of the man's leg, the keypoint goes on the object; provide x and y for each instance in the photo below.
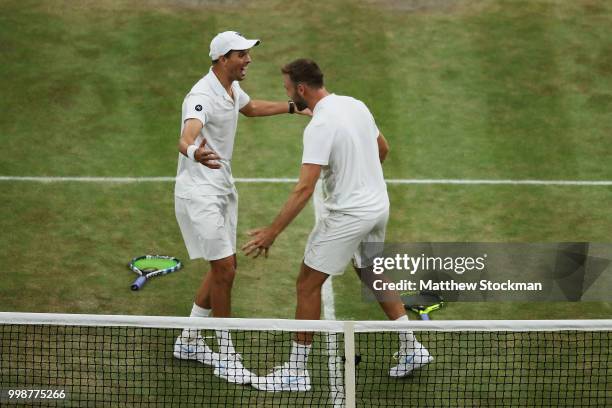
(214, 295)
(202, 304)
(203, 294)
(216, 291)
(218, 280)
(217, 286)
(389, 300)
(202, 297)
(229, 365)
(293, 375)
(309, 283)
(391, 304)
(201, 308)
(190, 344)
(411, 354)
(308, 286)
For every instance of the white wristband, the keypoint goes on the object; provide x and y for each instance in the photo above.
(191, 149)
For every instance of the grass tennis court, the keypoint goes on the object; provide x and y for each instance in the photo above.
(461, 89)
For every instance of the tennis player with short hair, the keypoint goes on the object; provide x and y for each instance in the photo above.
(206, 200)
(344, 147)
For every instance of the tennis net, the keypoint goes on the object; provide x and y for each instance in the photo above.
(96, 360)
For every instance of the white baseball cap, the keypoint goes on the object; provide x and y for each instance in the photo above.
(227, 41)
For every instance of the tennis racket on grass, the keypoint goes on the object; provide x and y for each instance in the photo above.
(423, 303)
(148, 266)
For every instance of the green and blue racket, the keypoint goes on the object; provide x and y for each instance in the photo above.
(149, 266)
(423, 303)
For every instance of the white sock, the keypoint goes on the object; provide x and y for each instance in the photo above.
(224, 340)
(191, 335)
(407, 340)
(197, 311)
(299, 355)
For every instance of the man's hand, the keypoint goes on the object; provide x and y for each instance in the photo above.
(206, 156)
(263, 238)
(261, 241)
(305, 111)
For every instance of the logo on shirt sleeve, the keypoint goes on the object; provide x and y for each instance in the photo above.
(198, 108)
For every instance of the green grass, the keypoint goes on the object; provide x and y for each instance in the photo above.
(86, 234)
(461, 89)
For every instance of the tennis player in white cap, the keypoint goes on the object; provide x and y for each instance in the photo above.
(206, 200)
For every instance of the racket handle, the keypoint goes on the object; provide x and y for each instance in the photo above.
(138, 283)
(424, 316)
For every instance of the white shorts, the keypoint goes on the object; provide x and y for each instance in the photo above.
(208, 224)
(337, 237)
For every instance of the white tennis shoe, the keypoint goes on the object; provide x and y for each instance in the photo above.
(230, 368)
(409, 361)
(284, 378)
(195, 350)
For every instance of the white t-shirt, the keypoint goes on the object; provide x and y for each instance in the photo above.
(341, 137)
(210, 103)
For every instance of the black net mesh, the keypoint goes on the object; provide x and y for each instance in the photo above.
(136, 367)
(490, 369)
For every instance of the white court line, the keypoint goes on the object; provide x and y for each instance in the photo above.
(52, 179)
(334, 361)
(327, 295)
(504, 182)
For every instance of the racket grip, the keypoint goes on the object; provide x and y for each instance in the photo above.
(138, 283)
(424, 316)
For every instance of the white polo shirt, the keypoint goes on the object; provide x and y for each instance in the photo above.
(211, 104)
(341, 137)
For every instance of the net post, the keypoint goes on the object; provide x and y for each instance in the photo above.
(349, 363)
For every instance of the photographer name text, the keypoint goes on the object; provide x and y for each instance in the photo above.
(450, 285)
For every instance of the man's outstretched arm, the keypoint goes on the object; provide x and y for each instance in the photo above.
(268, 108)
(263, 238)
